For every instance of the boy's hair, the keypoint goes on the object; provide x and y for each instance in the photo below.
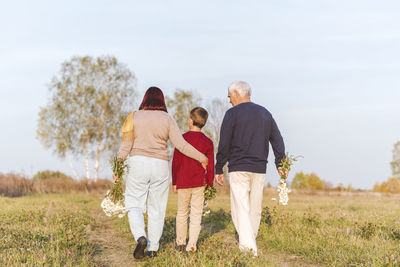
(199, 116)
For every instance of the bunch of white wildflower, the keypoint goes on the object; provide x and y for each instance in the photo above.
(205, 209)
(210, 192)
(110, 208)
(113, 202)
(283, 192)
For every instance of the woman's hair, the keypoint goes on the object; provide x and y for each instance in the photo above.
(153, 100)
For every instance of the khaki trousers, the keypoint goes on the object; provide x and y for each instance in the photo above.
(194, 197)
(246, 206)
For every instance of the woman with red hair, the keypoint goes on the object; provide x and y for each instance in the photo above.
(144, 138)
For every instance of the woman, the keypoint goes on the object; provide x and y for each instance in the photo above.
(144, 137)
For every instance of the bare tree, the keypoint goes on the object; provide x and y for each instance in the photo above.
(180, 105)
(216, 110)
(183, 101)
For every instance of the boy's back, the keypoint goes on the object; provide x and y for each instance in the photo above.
(188, 173)
(188, 179)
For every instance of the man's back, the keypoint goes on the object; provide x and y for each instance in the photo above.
(246, 132)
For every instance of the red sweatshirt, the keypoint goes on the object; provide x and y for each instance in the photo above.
(187, 172)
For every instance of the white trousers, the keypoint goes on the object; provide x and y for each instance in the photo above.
(246, 206)
(147, 180)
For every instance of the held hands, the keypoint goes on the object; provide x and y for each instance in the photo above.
(220, 179)
(281, 174)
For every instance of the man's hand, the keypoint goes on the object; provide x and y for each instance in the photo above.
(281, 174)
(174, 188)
(204, 163)
(116, 179)
(220, 179)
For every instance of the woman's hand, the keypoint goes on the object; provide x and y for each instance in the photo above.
(116, 179)
(174, 188)
(204, 163)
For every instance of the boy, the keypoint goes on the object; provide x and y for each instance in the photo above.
(188, 179)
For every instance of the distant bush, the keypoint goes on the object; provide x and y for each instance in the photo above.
(392, 185)
(47, 174)
(307, 181)
(14, 185)
(342, 188)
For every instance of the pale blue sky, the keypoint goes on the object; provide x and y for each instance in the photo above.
(327, 70)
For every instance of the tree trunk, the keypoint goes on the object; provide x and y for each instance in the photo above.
(87, 163)
(72, 167)
(96, 166)
(101, 129)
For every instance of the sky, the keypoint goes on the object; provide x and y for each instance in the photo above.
(328, 71)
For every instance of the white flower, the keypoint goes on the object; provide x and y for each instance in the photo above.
(110, 208)
(206, 212)
(283, 192)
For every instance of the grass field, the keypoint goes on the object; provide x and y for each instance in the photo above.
(313, 230)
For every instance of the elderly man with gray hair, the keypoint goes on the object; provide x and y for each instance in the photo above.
(246, 131)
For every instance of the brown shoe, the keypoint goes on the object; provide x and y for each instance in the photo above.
(151, 254)
(140, 247)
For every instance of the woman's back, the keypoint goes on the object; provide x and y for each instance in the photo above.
(151, 131)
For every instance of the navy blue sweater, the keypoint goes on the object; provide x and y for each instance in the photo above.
(246, 131)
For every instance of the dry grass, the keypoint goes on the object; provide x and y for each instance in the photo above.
(315, 229)
(14, 185)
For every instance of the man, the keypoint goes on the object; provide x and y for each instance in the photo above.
(246, 131)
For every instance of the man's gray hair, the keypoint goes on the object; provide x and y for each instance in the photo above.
(241, 87)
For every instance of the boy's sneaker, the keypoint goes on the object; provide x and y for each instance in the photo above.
(191, 249)
(140, 247)
(181, 248)
(151, 254)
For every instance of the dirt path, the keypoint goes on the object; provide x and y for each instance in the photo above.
(111, 249)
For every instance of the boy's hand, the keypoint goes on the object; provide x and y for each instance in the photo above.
(174, 188)
(220, 179)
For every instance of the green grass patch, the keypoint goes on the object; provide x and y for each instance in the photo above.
(45, 230)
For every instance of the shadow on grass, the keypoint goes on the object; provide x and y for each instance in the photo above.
(212, 223)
